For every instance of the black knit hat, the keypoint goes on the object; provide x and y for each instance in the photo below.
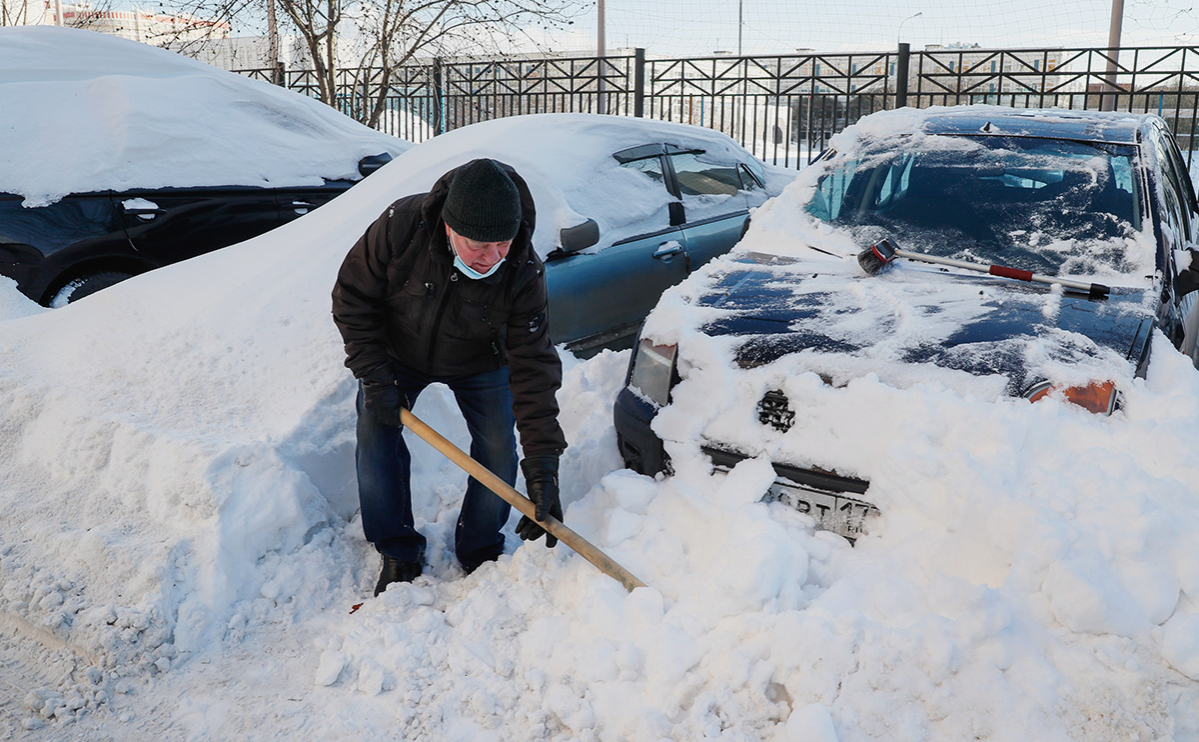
(483, 203)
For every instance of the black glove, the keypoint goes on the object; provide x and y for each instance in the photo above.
(382, 397)
(541, 476)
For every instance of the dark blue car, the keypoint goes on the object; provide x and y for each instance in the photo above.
(1038, 252)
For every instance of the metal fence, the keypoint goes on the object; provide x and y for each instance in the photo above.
(782, 108)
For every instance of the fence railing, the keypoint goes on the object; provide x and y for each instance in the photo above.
(782, 108)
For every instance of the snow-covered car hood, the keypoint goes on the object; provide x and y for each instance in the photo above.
(844, 325)
(82, 111)
(792, 296)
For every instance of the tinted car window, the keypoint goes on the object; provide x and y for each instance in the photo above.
(51, 228)
(1049, 206)
(698, 177)
(1173, 216)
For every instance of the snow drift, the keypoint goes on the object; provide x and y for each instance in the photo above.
(180, 548)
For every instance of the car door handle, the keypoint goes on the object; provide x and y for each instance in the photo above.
(302, 207)
(145, 214)
(141, 208)
(668, 250)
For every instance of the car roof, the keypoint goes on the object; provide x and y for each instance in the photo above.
(567, 161)
(82, 112)
(1092, 126)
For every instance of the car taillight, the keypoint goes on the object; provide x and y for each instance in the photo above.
(653, 368)
(1098, 397)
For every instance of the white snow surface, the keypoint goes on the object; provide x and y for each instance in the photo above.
(180, 547)
(84, 111)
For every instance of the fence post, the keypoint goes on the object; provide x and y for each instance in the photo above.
(438, 98)
(901, 74)
(639, 82)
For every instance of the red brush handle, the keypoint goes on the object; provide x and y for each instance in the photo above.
(1019, 275)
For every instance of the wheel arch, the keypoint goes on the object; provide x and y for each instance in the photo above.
(130, 264)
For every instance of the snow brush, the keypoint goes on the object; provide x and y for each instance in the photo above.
(551, 524)
(877, 257)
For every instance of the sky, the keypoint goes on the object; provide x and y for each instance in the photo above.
(702, 27)
(181, 548)
(705, 27)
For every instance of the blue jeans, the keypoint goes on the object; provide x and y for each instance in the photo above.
(384, 465)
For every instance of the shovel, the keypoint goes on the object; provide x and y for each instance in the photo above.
(489, 480)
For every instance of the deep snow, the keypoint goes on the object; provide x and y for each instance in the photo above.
(84, 111)
(180, 548)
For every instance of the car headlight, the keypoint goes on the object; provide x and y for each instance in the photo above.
(653, 369)
(1098, 397)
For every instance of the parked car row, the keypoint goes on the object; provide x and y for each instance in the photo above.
(1070, 232)
(124, 179)
(1043, 196)
(627, 207)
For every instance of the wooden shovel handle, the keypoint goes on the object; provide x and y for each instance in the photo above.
(501, 488)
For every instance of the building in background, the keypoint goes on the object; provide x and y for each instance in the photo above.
(141, 25)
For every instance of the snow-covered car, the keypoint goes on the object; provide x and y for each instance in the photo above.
(626, 207)
(1039, 252)
(154, 158)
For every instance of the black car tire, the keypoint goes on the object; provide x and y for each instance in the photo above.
(77, 288)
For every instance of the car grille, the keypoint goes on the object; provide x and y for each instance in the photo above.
(774, 410)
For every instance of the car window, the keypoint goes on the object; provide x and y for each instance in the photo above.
(699, 176)
(651, 166)
(53, 227)
(830, 193)
(1174, 214)
(756, 171)
(1185, 185)
(749, 181)
(1049, 206)
(895, 180)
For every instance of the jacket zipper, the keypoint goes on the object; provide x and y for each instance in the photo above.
(436, 329)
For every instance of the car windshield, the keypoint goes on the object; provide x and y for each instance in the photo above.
(1049, 206)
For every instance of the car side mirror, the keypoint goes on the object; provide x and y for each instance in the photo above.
(580, 236)
(678, 216)
(371, 163)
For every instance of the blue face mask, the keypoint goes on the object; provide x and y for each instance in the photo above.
(471, 272)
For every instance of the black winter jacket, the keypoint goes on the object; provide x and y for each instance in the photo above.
(399, 299)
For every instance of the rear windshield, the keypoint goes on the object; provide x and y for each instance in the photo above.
(1049, 206)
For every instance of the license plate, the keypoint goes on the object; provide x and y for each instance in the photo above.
(842, 515)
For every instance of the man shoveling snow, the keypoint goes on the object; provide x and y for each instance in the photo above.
(445, 287)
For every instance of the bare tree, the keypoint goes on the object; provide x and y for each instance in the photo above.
(363, 44)
(21, 12)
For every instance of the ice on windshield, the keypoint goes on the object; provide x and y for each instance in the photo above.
(1050, 206)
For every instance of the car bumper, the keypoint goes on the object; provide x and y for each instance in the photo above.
(643, 452)
(29, 281)
(834, 501)
(808, 478)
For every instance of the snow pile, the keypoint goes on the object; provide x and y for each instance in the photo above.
(180, 547)
(14, 304)
(116, 114)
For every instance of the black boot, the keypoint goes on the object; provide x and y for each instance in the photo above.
(396, 571)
